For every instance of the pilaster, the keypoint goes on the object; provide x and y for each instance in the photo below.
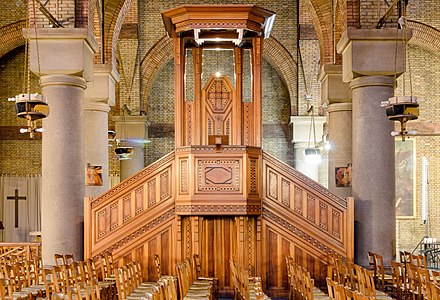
(98, 97)
(336, 94)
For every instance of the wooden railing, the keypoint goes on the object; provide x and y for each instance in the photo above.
(19, 251)
(299, 218)
(304, 219)
(125, 217)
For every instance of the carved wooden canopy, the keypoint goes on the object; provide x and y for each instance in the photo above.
(227, 24)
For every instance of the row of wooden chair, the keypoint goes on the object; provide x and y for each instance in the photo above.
(246, 287)
(129, 282)
(377, 267)
(413, 259)
(412, 282)
(354, 278)
(339, 292)
(191, 287)
(301, 285)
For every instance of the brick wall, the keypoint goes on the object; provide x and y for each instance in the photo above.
(425, 67)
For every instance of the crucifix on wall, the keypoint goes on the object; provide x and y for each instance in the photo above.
(16, 198)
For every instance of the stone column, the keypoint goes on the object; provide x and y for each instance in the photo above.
(132, 131)
(64, 62)
(337, 95)
(98, 97)
(302, 139)
(369, 64)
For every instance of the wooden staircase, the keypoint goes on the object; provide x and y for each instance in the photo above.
(288, 214)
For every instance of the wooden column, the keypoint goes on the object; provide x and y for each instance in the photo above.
(237, 109)
(197, 106)
(179, 91)
(257, 58)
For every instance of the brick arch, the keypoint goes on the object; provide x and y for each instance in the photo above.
(321, 15)
(286, 66)
(11, 36)
(274, 52)
(153, 62)
(425, 36)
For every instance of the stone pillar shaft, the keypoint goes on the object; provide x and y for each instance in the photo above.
(373, 168)
(63, 166)
(340, 138)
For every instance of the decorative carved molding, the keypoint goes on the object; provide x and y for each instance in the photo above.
(102, 228)
(285, 192)
(165, 185)
(298, 203)
(114, 216)
(139, 200)
(336, 223)
(253, 164)
(151, 185)
(134, 180)
(296, 231)
(126, 208)
(184, 176)
(218, 175)
(311, 208)
(273, 185)
(321, 190)
(232, 209)
(169, 215)
(323, 215)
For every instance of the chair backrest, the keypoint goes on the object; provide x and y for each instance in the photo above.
(59, 259)
(157, 265)
(68, 259)
(197, 265)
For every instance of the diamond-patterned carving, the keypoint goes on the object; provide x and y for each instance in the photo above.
(285, 192)
(311, 208)
(102, 218)
(139, 197)
(114, 216)
(184, 176)
(165, 185)
(336, 223)
(126, 208)
(218, 175)
(323, 215)
(298, 204)
(273, 185)
(151, 192)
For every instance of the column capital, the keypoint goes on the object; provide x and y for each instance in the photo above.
(333, 89)
(102, 87)
(373, 52)
(131, 127)
(301, 128)
(96, 106)
(376, 81)
(337, 107)
(63, 80)
(62, 51)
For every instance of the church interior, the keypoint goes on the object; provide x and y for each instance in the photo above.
(262, 147)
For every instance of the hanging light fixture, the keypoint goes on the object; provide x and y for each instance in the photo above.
(402, 108)
(31, 107)
(312, 152)
(122, 150)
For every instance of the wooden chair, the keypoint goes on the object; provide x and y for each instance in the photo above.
(414, 285)
(59, 259)
(68, 259)
(383, 280)
(399, 287)
(433, 291)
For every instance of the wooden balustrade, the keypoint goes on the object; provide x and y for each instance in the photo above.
(19, 251)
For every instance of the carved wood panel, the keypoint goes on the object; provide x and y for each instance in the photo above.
(220, 175)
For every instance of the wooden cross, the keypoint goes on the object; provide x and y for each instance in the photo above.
(16, 197)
